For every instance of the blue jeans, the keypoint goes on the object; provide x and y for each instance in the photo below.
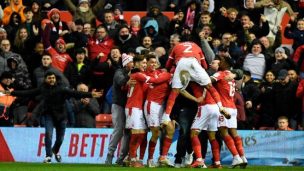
(60, 127)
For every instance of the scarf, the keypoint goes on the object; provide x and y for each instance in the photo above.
(190, 18)
(54, 29)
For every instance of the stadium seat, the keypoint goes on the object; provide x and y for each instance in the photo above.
(103, 120)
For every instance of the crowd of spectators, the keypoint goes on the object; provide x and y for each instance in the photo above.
(86, 53)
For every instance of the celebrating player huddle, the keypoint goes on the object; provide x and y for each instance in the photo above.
(150, 101)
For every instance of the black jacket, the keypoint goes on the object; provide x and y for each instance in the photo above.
(53, 98)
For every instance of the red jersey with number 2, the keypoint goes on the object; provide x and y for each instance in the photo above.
(225, 88)
(186, 50)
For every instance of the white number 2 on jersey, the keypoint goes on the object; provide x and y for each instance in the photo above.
(188, 48)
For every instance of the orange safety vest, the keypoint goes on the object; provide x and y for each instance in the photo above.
(6, 100)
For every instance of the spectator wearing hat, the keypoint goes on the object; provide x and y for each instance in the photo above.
(14, 6)
(177, 22)
(84, 11)
(163, 5)
(135, 25)
(125, 40)
(282, 61)
(155, 13)
(6, 101)
(22, 81)
(151, 29)
(59, 56)
(58, 28)
(287, 106)
(119, 99)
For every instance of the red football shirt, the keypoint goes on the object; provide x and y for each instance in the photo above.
(225, 88)
(158, 92)
(186, 50)
(199, 91)
(136, 94)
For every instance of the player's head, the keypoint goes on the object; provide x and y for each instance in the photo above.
(174, 39)
(225, 63)
(140, 62)
(283, 123)
(152, 62)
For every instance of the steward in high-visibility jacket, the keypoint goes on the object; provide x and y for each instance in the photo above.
(5, 100)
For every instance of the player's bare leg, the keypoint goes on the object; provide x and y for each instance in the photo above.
(237, 161)
(215, 150)
(196, 146)
(152, 143)
(239, 145)
(137, 136)
(170, 129)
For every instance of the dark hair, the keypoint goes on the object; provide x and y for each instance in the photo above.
(80, 51)
(49, 73)
(138, 58)
(257, 42)
(27, 9)
(150, 56)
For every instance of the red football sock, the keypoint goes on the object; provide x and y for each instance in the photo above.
(215, 150)
(170, 102)
(151, 149)
(133, 145)
(143, 146)
(239, 145)
(196, 146)
(230, 145)
(166, 146)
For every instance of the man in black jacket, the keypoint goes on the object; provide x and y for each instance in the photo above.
(53, 96)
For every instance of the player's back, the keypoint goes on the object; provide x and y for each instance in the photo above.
(200, 91)
(136, 93)
(186, 50)
(225, 88)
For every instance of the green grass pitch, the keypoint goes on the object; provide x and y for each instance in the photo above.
(100, 167)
